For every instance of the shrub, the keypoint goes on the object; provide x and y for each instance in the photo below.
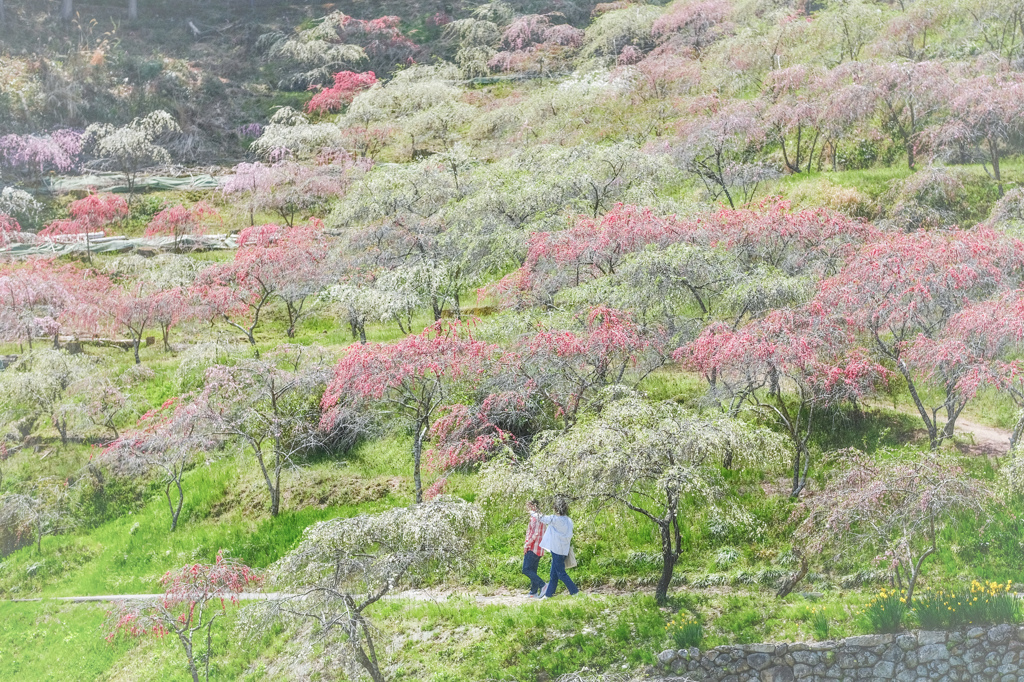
(885, 612)
(819, 623)
(685, 631)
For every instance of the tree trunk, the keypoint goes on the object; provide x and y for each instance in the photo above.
(175, 512)
(3, 16)
(166, 329)
(186, 644)
(275, 493)
(135, 347)
(369, 663)
(66, 10)
(133, 10)
(794, 579)
(668, 564)
(1018, 429)
(993, 148)
(417, 451)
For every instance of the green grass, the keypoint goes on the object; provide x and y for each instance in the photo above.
(55, 642)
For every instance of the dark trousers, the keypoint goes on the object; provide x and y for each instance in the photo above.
(530, 563)
(558, 573)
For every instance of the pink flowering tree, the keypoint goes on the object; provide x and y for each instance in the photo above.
(347, 84)
(718, 146)
(796, 113)
(978, 349)
(31, 300)
(985, 113)
(195, 597)
(903, 287)
(288, 188)
(89, 216)
(907, 96)
(790, 366)
(693, 25)
(410, 380)
(180, 222)
(40, 298)
(894, 507)
(35, 155)
(164, 442)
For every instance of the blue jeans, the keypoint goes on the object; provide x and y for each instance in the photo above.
(558, 573)
(530, 563)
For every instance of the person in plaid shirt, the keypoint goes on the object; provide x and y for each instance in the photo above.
(532, 551)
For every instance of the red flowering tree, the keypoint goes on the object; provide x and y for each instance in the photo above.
(812, 241)
(410, 380)
(788, 366)
(89, 216)
(270, 262)
(195, 597)
(10, 230)
(179, 222)
(978, 348)
(908, 286)
(347, 84)
(588, 250)
(568, 368)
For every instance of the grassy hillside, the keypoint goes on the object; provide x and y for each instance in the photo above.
(742, 280)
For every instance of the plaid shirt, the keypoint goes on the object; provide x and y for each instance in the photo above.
(534, 532)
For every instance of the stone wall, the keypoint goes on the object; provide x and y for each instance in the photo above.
(977, 654)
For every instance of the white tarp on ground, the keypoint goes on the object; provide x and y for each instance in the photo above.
(122, 244)
(113, 182)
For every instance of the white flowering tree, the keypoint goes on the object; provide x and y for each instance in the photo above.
(649, 458)
(382, 300)
(43, 507)
(130, 149)
(39, 384)
(289, 134)
(344, 566)
(271, 406)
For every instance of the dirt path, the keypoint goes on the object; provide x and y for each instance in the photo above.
(986, 441)
(500, 597)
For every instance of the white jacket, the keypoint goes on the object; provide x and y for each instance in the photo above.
(557, 534)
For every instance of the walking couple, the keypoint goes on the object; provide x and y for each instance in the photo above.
(551, 532)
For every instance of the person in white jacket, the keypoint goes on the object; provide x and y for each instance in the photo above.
(556, 540)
